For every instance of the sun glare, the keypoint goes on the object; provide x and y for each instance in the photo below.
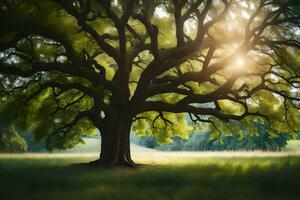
(239, 63)
(161, 12)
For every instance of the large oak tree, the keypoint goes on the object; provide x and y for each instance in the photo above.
(76, 66)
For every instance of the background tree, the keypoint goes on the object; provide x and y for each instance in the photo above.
(10, 140)
(83, 65)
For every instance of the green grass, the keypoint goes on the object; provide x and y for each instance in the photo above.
(208, 176)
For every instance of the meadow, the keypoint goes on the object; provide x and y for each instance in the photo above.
(165, 175)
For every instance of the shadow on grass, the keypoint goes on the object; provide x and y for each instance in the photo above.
(231, 179)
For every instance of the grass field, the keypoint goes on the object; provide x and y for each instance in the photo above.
(188, 176)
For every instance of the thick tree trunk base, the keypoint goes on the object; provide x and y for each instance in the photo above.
(124, 163)
(100, 164)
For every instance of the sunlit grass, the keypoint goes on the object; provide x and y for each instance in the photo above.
(183, 158)
(152, 158)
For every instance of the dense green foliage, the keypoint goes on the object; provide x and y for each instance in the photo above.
(240, 178)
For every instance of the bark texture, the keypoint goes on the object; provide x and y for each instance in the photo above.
(115, 142)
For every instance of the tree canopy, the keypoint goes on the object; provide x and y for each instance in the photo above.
(78, 66)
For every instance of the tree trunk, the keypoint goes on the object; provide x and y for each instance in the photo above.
(115, 143)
